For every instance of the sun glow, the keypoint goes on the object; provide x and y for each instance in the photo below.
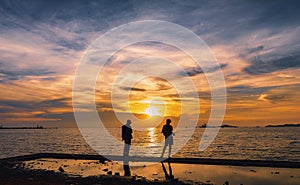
(152, 111)
(156, 107)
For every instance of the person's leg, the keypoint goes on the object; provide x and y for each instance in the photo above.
(164, 149)
(129, 145)
(126, 159)
(126, 148)
(170, 150)
(170, 143)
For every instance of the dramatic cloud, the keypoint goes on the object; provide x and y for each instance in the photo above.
(256, 44)
(133, 89)
(260, 66)
(30, 111)
(198, 70)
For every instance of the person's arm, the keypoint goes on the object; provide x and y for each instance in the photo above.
(131, 133)
(123, 133)
(163, 130)
(172, 131)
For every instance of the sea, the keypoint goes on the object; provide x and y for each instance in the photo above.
(253, 143)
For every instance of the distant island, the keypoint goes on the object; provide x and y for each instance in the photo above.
(37, 127)
(222, 126)
(285, 125)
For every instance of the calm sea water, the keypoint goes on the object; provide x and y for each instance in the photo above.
(278, 144)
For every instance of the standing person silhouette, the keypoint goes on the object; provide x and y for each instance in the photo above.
(167, 131)
(126, 136)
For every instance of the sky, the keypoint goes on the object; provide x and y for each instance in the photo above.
(256, 43)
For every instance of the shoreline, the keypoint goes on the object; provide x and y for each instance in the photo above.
(207, 161)
(47, 168)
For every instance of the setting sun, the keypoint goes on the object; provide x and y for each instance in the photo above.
(152, 111)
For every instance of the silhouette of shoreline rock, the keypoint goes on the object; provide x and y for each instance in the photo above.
(222, 126)
(284, 125)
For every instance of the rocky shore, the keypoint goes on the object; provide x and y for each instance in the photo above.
(75, 169)
(12, 173)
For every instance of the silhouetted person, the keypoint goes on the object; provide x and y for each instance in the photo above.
(126, 136)
(167, 130)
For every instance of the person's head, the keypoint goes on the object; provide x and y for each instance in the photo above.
(168, 121)
(128, 122)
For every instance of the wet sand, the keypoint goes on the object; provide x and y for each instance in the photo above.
(82, 171)
(75, 172)
(187, 173)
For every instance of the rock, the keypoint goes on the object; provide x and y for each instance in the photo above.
(189, 181)
(226, 183)
(109, 173)
(252, 171)
(61, 169)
